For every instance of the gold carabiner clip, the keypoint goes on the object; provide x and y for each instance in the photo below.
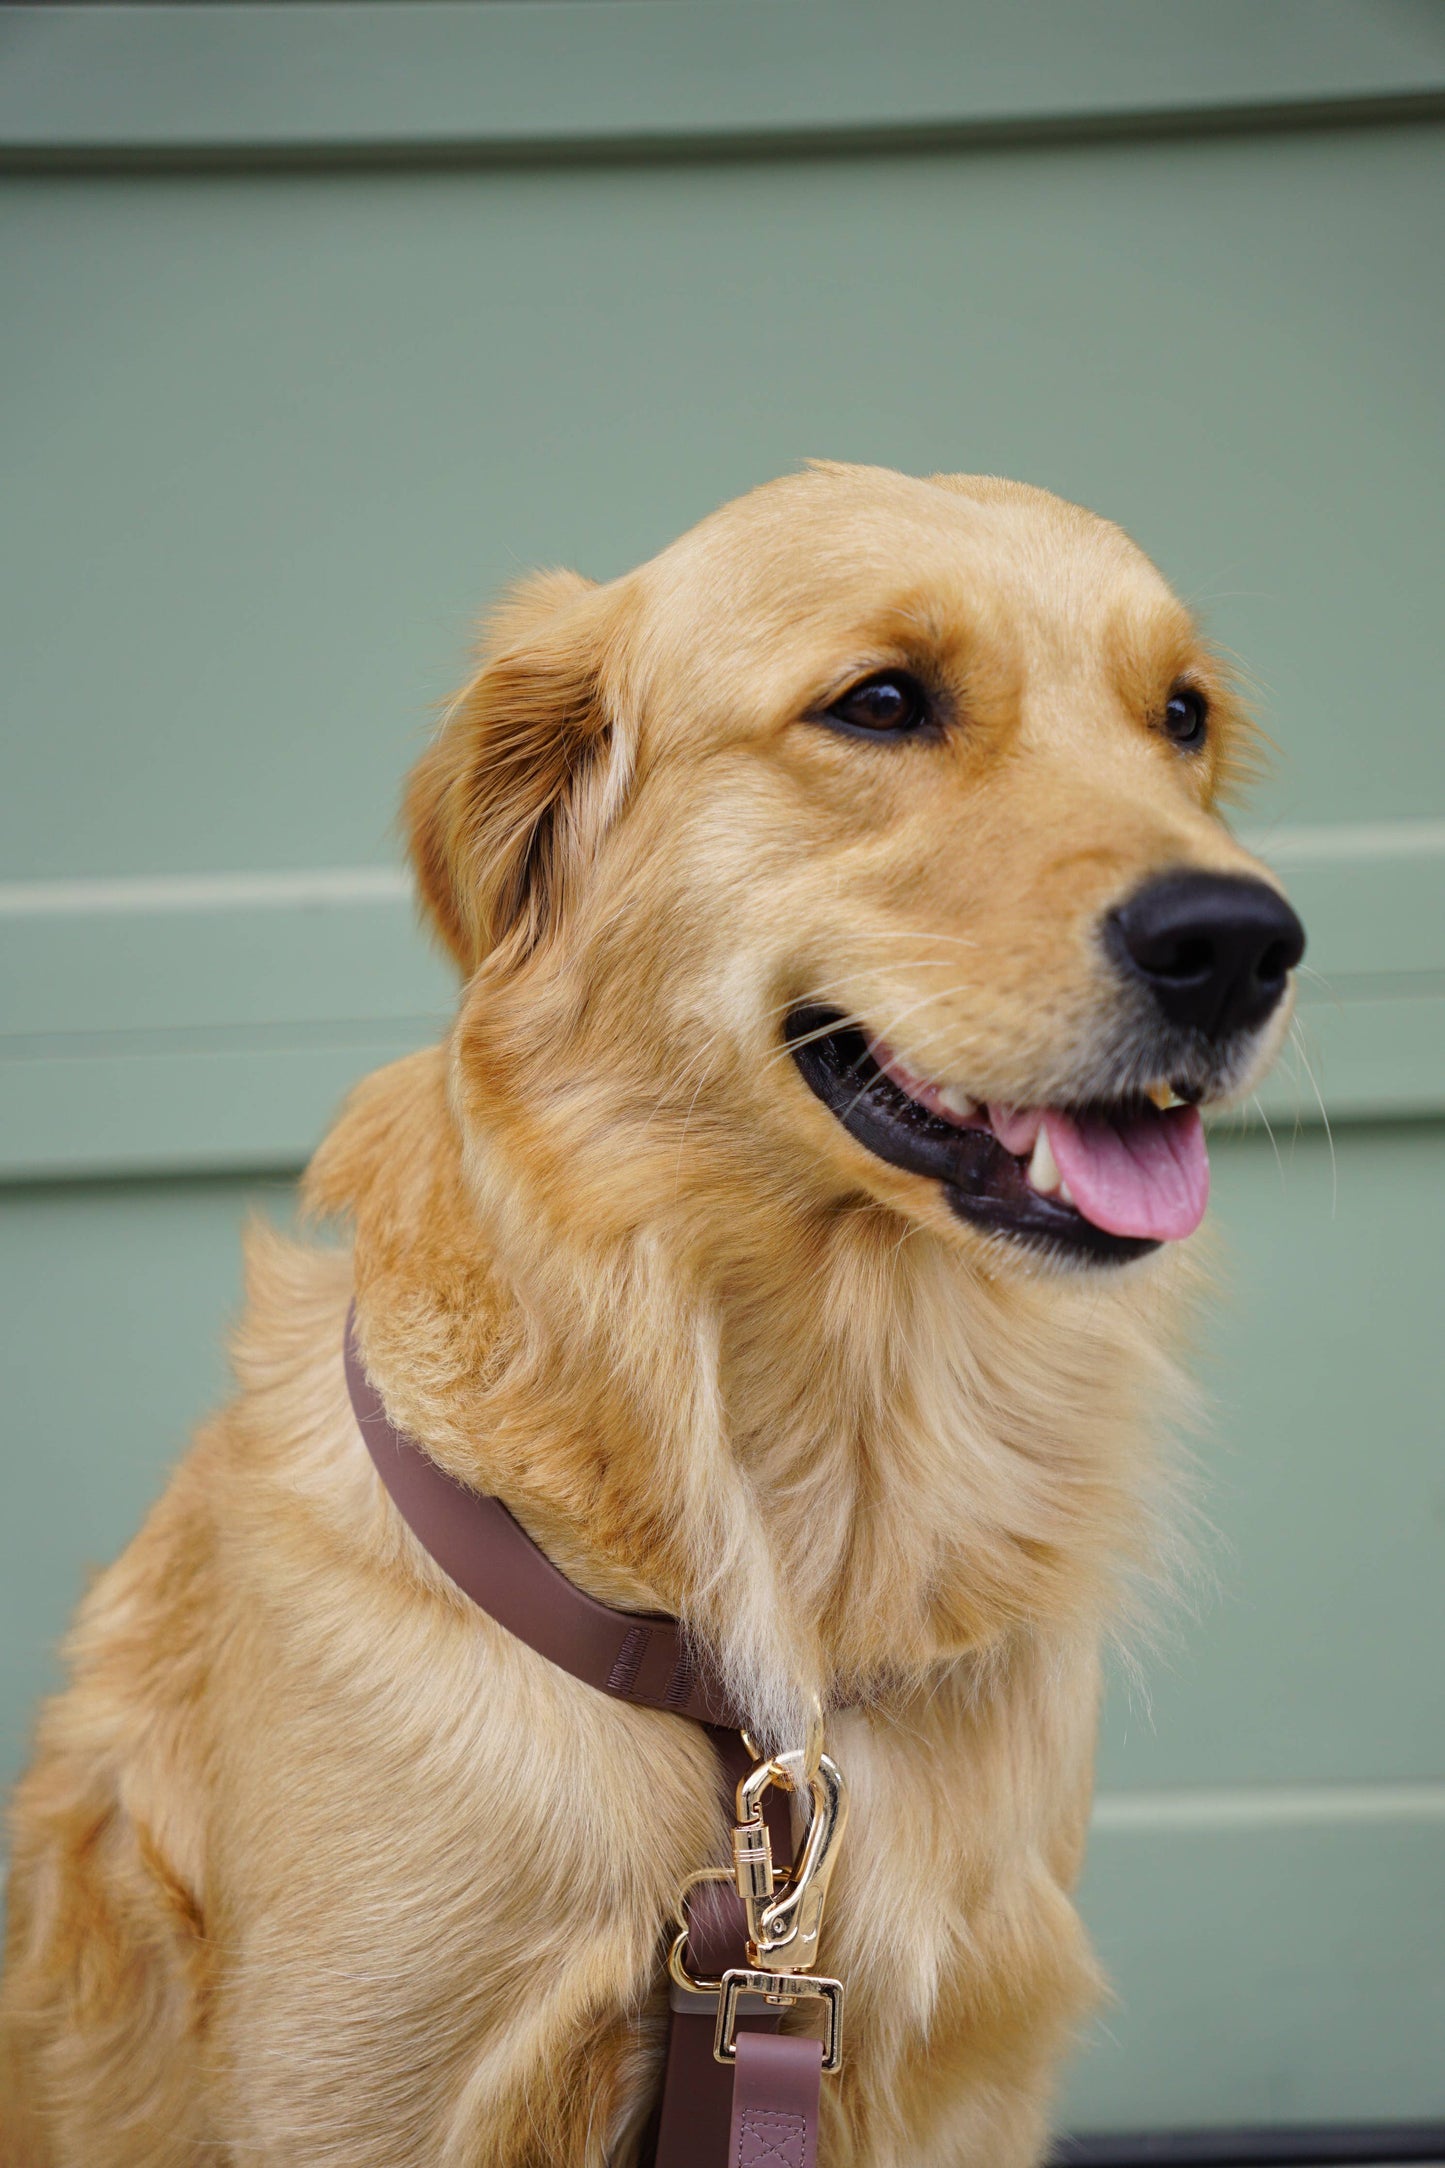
(784, 1910)
(784, 1921)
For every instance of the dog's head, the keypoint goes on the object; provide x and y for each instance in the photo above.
(862, 844)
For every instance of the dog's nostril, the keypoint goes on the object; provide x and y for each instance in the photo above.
(1276, 962)
(1214, 949)
(1186, 960)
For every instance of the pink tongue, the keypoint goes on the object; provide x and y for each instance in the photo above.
(1146, 1174)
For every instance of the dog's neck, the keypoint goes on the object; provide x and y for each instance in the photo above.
(846, 1461)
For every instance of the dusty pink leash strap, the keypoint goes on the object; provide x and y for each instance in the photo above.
(761, 2111)
(776, 2090)
(720, 2115)
(637, 1657)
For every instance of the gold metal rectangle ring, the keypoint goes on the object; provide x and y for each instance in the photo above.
(778, 1987)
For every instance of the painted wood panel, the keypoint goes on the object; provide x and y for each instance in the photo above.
(278, 438)
(324, 321)
(189, 1023)
(430, 76)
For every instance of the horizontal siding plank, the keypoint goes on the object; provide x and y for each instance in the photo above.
(1359, 1059)
(190, 1112)
(1242, 1959)
(217, 1108)
(1371, 894)
(232, 950)
(214, 1022)
(266, 956)
(1270, 1806)
(430, 75)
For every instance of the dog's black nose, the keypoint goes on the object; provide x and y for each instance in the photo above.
(1214, 949)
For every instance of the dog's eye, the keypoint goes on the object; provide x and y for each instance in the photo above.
(888, 705)
(1186, 718)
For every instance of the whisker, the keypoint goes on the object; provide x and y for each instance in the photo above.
(915, 963)
(932, 933)
(1307, 971)
(1297, 1036)
(925, 1001)
(946, 1026)
(885, 1035)
(850, 1022)
(1257, 1103)
(854, 1022)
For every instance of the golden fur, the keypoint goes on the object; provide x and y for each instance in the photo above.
(314, 1864)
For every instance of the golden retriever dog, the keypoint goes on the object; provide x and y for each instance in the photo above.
(791, 1231)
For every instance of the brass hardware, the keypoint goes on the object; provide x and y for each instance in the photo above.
(753, 1861)
(784, 1910)
(690, 1883)
(784, 1923)
(752, 1846)
(677, 1969)
(677, 1951)
(785, 1988)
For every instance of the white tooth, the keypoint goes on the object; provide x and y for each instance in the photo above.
(1066, 1195)
(1043, 1168)
(956, 1101)
(1164, 1097)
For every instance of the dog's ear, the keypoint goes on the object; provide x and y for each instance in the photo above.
(508, 803)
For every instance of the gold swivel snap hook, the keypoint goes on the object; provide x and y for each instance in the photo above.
(784, 1909)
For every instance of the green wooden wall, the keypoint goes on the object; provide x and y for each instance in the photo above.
(322, 321)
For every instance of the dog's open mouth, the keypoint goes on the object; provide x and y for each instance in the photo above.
(1104, 1182)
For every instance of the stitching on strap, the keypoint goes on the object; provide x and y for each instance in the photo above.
(767, 2139)
(628, 1659)
(679, 1686)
